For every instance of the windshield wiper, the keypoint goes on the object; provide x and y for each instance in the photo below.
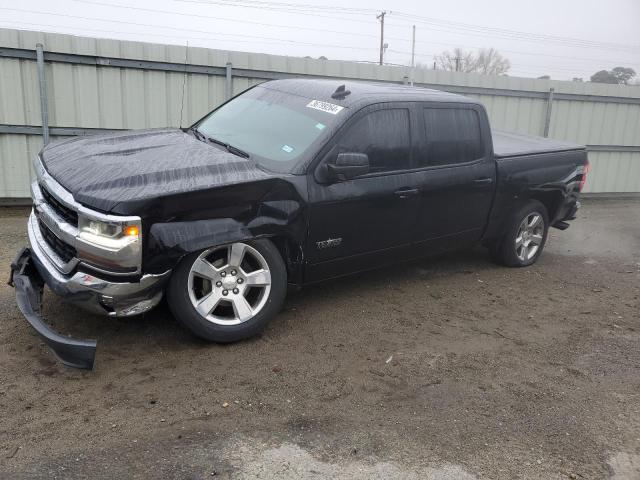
(230, 148)
(198, 134)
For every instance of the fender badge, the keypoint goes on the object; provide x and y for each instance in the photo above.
(329, 243)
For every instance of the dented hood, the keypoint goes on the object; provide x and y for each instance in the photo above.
(103, 171)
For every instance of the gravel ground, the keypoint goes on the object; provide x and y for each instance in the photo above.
(449, 368)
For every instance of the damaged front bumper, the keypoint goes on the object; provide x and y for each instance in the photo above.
(33, 268)
(29, 286)
(89, 291)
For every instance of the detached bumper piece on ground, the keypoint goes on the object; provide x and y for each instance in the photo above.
(29, 286)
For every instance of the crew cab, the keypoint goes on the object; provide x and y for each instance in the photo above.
(290, 183)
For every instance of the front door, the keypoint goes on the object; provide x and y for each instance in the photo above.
(363, 222)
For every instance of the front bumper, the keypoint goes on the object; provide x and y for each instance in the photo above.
(104, 297)
(33, 268)
(29, 286)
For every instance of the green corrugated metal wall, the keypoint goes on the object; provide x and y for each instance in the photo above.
(91, 96)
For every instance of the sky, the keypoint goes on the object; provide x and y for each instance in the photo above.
(560, 38)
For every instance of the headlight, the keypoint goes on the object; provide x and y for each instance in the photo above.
(114, 245)
(108, 234)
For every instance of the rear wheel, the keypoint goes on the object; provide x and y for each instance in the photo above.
(230, 292)
(525, 237)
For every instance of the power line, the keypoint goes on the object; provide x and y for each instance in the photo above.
(311, 13)
(216, 17)
(93, 30)
(289, 6)
(272, 40)
(513, 34)
(122, 22)
(515, 70)
(341, 32)
(181, 37)
(468, 28)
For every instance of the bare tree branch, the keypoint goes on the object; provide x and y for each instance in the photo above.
(488, 61)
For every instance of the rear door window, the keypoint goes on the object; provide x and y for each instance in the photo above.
(452, 136)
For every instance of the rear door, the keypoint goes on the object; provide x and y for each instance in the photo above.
(362, 222)
(457, 175)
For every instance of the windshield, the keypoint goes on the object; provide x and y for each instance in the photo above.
(275, 128)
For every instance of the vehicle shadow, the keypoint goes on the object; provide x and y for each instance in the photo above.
(421, 270)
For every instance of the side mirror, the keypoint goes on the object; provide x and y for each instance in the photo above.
(348, 165)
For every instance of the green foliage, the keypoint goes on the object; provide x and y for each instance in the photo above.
(617, 75)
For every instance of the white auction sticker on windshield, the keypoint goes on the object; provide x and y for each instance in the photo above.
(325, 106)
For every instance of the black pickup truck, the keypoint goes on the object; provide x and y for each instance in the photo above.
(289, 183)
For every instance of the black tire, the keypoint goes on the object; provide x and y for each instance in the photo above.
(184, 311)
(505, 251)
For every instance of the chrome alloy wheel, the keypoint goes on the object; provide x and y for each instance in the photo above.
(229, 285)
(529, 237)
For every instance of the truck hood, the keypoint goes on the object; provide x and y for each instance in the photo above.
(104, 171)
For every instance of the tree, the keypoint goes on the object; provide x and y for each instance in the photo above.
(490, 62)
(487, 61)
(544, 77)
(617, 75)
(623, 74)
(456, 61)
(603, 76)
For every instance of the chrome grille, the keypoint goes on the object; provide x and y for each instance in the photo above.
(65, 212)
(65, 251)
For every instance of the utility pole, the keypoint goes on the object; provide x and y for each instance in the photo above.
(457, 64)
(381, 18)
(413, 54)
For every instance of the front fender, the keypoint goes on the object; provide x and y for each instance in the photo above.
(169, 242)
(186, 237)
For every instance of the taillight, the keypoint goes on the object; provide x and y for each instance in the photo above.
(585, 170)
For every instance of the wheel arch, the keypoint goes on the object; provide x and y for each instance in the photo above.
(168, 243)
(501, 249)
(551, 200)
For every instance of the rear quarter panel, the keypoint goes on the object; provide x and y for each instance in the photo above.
(551, 178)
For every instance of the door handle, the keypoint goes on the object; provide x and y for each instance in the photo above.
(483, 181)
(407, 192)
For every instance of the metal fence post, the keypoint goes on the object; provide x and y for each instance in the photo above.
(228, 85)
(547, 119)
(44, 104)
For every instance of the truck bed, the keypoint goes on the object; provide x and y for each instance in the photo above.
(506, 144)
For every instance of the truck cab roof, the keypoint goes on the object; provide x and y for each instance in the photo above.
(361, 93)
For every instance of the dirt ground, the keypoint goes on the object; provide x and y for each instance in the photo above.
(449, 368)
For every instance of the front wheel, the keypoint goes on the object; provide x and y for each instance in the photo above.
(525, 237)
(230, 292)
